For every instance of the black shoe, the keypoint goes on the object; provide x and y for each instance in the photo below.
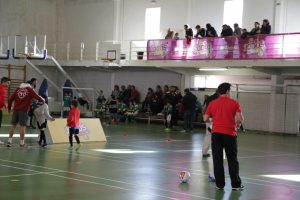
(209, 129)
(206, 155)
(219, 188)
(44, 145)
(238, 188)
(9, 144)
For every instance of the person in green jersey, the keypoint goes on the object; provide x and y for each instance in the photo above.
(66, 104)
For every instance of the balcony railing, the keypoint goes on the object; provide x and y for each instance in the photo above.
(277, 46)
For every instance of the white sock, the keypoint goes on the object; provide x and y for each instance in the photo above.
(10, 140)
(21, 142)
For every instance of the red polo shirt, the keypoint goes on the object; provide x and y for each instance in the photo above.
(73, 118)
(223, 111)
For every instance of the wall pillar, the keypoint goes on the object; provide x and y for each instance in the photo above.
(277, 105)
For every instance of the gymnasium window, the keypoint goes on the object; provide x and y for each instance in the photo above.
(199, 82)
(152, 23)
(233, 12)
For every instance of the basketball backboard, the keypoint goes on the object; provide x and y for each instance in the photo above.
(31, 47)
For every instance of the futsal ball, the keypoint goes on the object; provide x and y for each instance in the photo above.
(184, 176)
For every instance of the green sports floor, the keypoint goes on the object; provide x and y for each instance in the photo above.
(142, 162)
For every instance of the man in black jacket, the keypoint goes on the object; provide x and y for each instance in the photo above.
(189, 106)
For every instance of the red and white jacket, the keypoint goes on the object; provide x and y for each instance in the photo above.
(3, 95)
(22, 98)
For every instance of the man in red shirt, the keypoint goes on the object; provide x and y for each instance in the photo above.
(227, 117)
(5, 82)
(22, 98)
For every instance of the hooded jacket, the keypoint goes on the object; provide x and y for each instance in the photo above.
(22, 98)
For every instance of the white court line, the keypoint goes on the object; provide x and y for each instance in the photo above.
(180, 168)
(101, 178)
(19, 175)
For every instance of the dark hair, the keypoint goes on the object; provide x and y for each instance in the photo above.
(223, 88)
(5, 79)
(208, 25)
(186, 90)
(198, 26)
(74, 103)
(45, 97)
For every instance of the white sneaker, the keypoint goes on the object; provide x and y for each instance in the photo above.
(1, 142)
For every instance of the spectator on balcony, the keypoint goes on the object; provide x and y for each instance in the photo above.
(176, 36)
(266, 27)
(170, 34)
(200, 32)
(256, 29)
(188, 33)
(210, 31)
(237, 30)
(226, 31)
(245, 33)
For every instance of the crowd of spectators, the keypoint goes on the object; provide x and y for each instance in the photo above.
(210, 31)
(124, 104)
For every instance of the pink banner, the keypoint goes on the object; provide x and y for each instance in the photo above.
(277, 46)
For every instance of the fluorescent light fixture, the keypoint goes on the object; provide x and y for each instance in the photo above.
(123, 151)
(292, 177)
(18, 135)
(213, 69)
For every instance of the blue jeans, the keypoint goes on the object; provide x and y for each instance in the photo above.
(189, 116)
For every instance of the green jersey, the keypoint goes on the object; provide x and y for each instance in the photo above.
(122, 107)
(67, 101)
(168, 109)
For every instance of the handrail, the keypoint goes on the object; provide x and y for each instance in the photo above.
(273, 46)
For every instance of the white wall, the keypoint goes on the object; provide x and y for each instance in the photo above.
(292, 16)
(257, 10)
(31, 17)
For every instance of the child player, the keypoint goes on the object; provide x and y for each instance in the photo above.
(73, 124)
(42, 114)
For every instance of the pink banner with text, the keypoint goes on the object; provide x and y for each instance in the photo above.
(277, 46)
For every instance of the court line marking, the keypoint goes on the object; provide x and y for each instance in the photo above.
(37, 172)
(101, 178)
(170, 169)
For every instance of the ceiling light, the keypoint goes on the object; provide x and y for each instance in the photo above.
(213, 69)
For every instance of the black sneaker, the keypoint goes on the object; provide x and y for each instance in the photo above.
(44, 145)
(219, 188)
(238, 188)
(209, 129)
(9, 144)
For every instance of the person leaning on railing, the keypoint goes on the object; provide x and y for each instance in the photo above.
(266, 27)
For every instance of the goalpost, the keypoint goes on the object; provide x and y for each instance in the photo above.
(86, 100)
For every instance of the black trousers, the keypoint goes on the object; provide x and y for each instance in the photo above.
(75, 132)
(0, 118)
(229, 143)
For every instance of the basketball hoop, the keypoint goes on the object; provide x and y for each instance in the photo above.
(106, 62)
(26, 55)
